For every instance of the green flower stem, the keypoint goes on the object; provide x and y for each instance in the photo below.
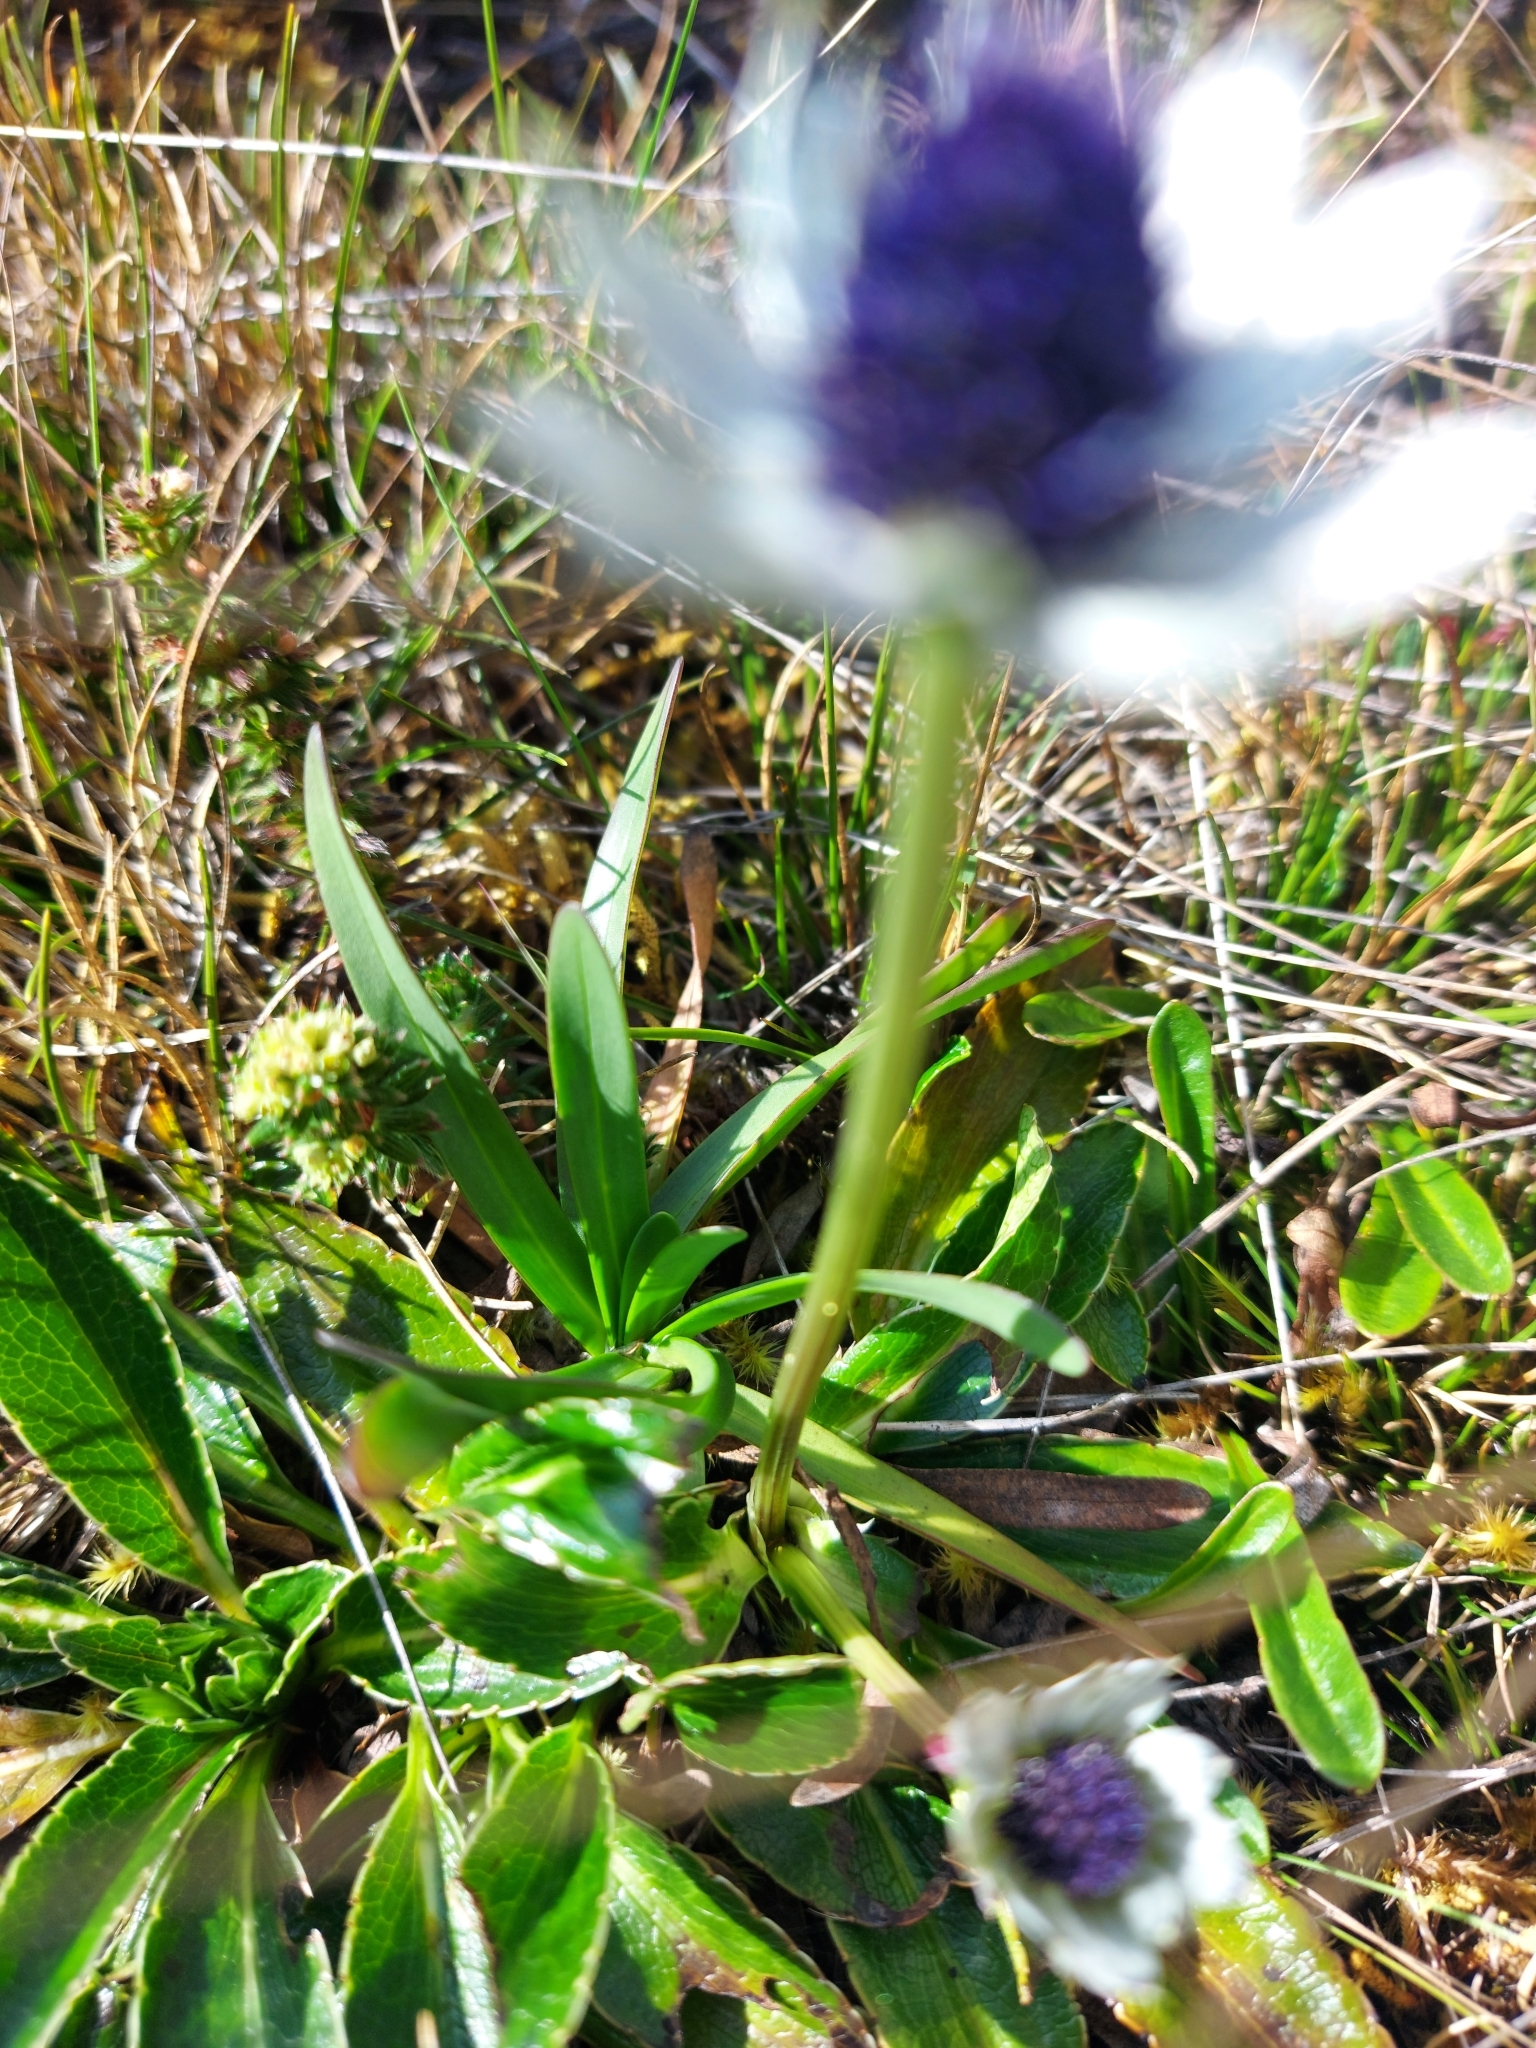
(881, 1086)
(867, 1482)
(800, 1579)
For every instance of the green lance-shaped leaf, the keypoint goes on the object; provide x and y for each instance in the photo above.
(244, 1467)
(1095, 1178)
(1179, 1054)
(877, 1856)
(91, 1380)
(1114, 1328)
(669, 1274)
(1016, 1248)
(735, 1147)
(1012, 1316)
(1089, 1016)
(476, 1143)
(777, 1717)
(65, 1893)
(1387, 1285)
(218, 1963)
(538, 1864)
(1264, 1972)
(611, 883)
(946, 1982)
(1256, 1528)
(677, 1927)
(1315, 1679)
(1448, 1219)
(414, 1944)
(597, 1104)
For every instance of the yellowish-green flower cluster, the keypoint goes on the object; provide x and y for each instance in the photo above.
(301, 1062)
(333, 1101)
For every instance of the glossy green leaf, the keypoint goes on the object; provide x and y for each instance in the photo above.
(1027, 1246)
(476, 1143)
(1387, 1286)
(34, 1602)
(1095, 1178)
(124, 1655)
(670, 1274)
(1220, 1570)
(414, 1943)
(407, 1430)
(597, 1103)
(735, 1302)
(1268, 1955)
(332, 1849)
(678, 1926)
(90, 1379)
(946, 1982)
(580, 1507)
(244, 1467)
(766, 1718)
(1008, 1315)
(1059, 1081)
(1264, 1972)
(62, 1897)
(218, 1962)
(1114, 1328)
(1179, 1054)
(1089, 1016)
(877, 1856)
(538, 1865)
(306, 1271)
(1448, 1219)
(611, 883)
(1315, 1680)
(537, 1620)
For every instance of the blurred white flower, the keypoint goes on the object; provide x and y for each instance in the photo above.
(959, 372)
(1097, 1831)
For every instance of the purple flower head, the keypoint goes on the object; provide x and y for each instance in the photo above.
(1077, 1818)
(1002, 311)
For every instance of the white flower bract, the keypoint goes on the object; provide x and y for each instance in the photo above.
(1266, 307)
(1192, 1859)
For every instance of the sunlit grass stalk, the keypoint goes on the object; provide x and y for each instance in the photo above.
(663, 105)
(944, 667)
(802, 1581)
(43, 973)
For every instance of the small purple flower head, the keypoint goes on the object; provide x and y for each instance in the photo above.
(1077, 1817)
(1002, 309)
(1096, 1831)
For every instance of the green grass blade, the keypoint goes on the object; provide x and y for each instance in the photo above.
(597, 1104)
(611, 883)
(480, 1149)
